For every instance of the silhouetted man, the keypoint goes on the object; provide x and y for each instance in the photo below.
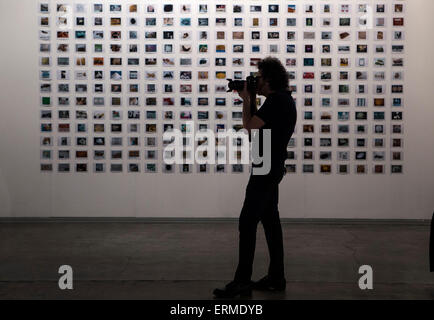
(279, 114)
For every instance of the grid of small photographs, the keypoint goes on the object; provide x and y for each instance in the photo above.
(114, 76)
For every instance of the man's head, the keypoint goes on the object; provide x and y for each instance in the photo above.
(272, 76)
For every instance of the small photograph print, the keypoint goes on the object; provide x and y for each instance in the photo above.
(44, 47)
(81, 167)
(185, 22)
(151, 168)
(308, 168)
(132, 21)
(46, 127)
(149, 22)
(99, 154)
(80, 8)
(115, 8)
(378, 169)
(326, 168)
(237, 168)
(343, 142)
(46, 141)
(220, 22)
(378, 155)
(44, 21)
(273, 8)
(116, 167)
(360, 155)
(397, 48)
(64, 141)
(378, 115)
(326, 35)
(381, 8)
(44, 35)
(220, 8)
(97, 8)
(308, 155)
(46, 154)
(44, 7)
(98, 35)
(133, 167)
(396, 115)
(396, 168)
(398, 22)
(397, 129)
(343, 156)
(63, 167)
(46, 167)
(63, 8)
(360, 169)
(342, 169)
(63, 154)
(398, 8)
(396, 156)
(99, 167)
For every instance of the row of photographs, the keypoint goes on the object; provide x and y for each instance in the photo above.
(81, 48)
(47, 115)
(341, 142)
(62, 22)
(221, 102)
(119, 75)
(153, 154)
(66, 75)
(132, 75)
(168, 8)
(344, 89)
(324, 102)
(306, 128)
(203, 168)
(116, 87)
(82, 155)
(342, 129)
(151, 141)
(219, 62)
(134, 115)
(344, 35)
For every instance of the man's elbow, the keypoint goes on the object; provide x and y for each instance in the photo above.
(248, 126)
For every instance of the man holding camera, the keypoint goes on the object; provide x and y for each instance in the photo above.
(278, 113)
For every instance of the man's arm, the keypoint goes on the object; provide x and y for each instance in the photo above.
(249, 121)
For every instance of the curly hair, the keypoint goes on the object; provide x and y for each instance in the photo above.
(275, 73)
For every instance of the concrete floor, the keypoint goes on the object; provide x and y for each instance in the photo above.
(186, 261)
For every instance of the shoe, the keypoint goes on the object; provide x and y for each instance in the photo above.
(234, 289)
(268, 284)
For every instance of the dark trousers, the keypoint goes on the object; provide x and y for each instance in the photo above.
(431, 246)
(260, 204)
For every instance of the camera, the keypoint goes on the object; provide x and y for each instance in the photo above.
(238, 85)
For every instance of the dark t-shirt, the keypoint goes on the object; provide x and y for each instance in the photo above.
(280, 115)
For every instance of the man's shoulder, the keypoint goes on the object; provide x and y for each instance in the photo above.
(284, 95)
(282, 98)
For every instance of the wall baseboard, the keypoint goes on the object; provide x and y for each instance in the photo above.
(413, 222)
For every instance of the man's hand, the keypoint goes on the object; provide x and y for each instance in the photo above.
(249, 120)
(244, 94)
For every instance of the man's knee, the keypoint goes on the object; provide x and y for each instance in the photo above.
(271, 219)
(247, 223)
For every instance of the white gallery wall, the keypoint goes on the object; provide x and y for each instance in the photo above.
(25, 191)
